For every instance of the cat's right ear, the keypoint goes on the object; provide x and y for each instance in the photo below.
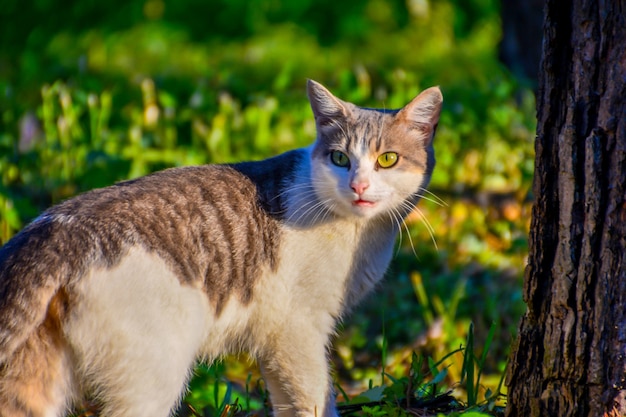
(422, 113)
(326, 107)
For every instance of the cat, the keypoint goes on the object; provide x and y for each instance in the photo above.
(114, 295)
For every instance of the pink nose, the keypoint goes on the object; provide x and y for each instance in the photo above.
(359, 187)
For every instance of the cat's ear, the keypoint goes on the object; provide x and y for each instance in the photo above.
(326, 107)
(423, 111)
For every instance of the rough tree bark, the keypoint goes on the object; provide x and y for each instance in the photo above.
(520, 47)
(570, 356)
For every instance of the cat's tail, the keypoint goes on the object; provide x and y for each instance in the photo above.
(33, 270)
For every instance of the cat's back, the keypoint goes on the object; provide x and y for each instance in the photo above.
(166, 212)
(204, 224)
(177, 192)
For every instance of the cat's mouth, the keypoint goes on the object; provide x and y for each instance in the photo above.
(363, 203)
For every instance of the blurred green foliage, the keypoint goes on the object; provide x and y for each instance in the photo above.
(96, 92)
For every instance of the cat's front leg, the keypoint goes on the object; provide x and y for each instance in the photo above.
(296, 373)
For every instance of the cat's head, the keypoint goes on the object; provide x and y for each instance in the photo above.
(368, 162)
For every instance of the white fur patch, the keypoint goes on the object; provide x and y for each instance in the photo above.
(136, 333)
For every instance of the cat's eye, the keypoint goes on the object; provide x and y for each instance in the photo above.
(388, 159)
(340, 159)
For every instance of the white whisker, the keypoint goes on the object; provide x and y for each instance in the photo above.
(292, 188)
(327, 211)
(435, 198)
(321, 212)
(432, 200)
(312, 206)
(408, 232)
(425, 222)
(337, 124)
(306, 206)
(380, 129)
(393, 218)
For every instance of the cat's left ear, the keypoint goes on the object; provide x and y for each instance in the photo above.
(326, 107)
(423, 111)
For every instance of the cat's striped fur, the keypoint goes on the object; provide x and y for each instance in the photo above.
(112, 296)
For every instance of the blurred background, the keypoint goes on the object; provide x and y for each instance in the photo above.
(95, 92)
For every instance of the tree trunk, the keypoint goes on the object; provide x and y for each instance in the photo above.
(570, 356)
(520, 46)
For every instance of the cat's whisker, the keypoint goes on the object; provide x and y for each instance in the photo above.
(303, 182)
(425, 222)
(394, 218)
(315, 205)
(340, 126)
(328, 210)
(303, 196)
(435, 198)
(323, 212)
(380, 129)
(309, 183)
(306, 178)
(346, 134)
(408, 233)
(306, 206)
(432, 200)
(287, 190)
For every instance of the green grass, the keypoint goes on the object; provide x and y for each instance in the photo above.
(423, 388)
(88, 102)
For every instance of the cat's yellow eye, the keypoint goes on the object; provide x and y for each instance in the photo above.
(340, 159)
(388, 159)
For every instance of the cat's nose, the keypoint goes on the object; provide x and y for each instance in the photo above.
(359, 187)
